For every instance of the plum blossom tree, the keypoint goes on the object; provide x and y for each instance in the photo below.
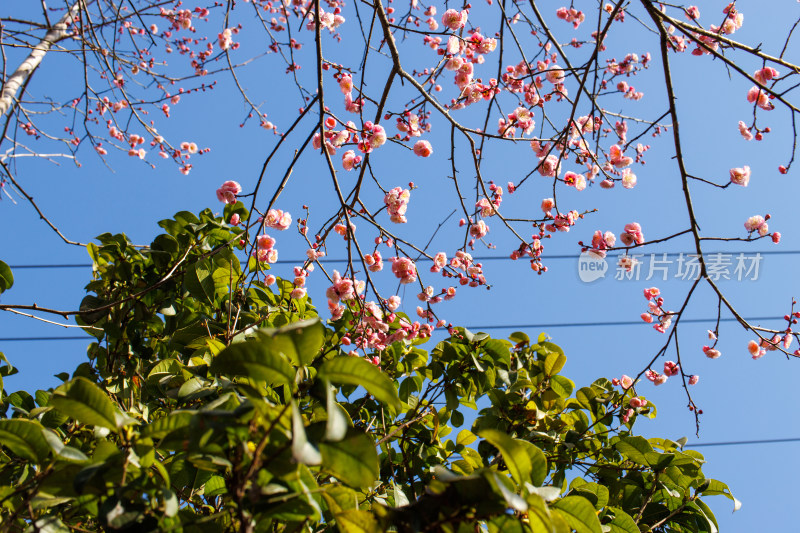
(382, 83)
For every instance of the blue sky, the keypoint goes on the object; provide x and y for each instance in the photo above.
(742, 399)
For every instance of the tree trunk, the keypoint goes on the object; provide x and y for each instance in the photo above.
(18, 78)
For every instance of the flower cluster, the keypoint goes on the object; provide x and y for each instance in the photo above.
(655, 310)
(265, 249)
(396, 202)
(571, 15)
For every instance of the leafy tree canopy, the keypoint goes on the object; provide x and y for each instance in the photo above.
(211, 401)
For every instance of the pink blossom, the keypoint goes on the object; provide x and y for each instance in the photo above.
(765, 74)
(755, 350)
(554, 74)
(374, 261)
(346, 83)
(633, 234)
(298, 293)
(692, 13)
(479, 230)
(378, 137)
(571, 15)
(423, 148)
(454, 20)
(342, 288)
(744, 131)
(760, 98)
(626, 382)
(671, 368)
(235, 219)
(350, 160)
(227, 193)
(647, 317)
(693, 379)
(270, 280)
(439, 262)
(404, 269)
(393, 303)
(740, 176)
(547, 205)
(265, 242)
(628, 179)
(549, 166)
(637, 402)
(776, 237)
(277, 219)
(396, 202)
(652, 292)
(618, 158)
(655, 377)
(756, 222)
(627, 262)
(711, 353)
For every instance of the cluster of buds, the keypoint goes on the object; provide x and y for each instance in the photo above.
(656, 310)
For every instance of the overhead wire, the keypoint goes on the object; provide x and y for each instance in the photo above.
(475, 258)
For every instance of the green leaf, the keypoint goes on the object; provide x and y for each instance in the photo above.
(525, 461)
(357, 371)
(299, 341)
(302, 450)
(6, 277)
(639, 450)
(255, 359)
(336, 425)
(622, 522)
(579, 514)
(61, 451)
(162, 427)
(713, 487)
(48, 524)
(25, 439)
(354, 460)
(554, 362)
(85, 402)
(199, 282)
(355, 521)
(561, 386)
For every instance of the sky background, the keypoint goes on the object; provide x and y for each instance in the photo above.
(742, 399)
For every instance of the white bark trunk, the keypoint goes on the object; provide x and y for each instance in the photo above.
(18, 78)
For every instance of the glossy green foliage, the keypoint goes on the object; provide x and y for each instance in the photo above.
(212, 402)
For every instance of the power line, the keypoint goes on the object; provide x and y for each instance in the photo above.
(475, 258)
(742, 442)
(475, 327)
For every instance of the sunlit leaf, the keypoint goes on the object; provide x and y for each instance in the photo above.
(87, 403)
(353, 460)
(358, 371)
